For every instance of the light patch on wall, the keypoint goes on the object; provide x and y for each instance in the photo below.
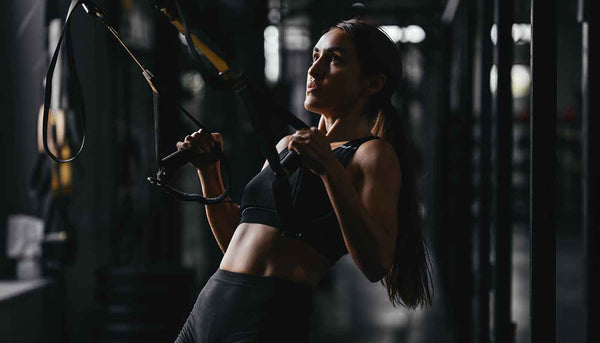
(521, 33)
(297, 38)
(272, 58)
(408, 34)
(520, 80)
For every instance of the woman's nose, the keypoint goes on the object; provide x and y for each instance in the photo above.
(316, 69)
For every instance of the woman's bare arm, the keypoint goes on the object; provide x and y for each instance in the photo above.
(367, 208)
(223, 217)
(364, 196)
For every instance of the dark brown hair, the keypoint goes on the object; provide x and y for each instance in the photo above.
(408, 281)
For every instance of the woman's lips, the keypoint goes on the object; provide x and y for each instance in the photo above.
(311, 87)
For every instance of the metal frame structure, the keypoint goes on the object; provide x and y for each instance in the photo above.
(455, 183)
(590, 154)
(503, 219)
(486, 19)
(543, 172)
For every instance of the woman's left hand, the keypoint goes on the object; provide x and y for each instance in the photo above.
(314, 148)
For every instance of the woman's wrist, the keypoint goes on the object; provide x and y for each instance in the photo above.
(209, 168)
(211, 181)
(209, 175)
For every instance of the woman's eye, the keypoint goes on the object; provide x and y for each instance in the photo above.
(336, 59)
(315, 57)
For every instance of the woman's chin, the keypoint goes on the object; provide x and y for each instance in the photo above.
(311, 104)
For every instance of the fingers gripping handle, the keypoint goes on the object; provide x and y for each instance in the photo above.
(180, 158)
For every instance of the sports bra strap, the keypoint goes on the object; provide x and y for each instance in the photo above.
(346, 151)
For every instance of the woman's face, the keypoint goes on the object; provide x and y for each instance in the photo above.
(333, 82)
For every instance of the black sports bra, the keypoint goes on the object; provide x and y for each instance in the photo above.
(311, 204)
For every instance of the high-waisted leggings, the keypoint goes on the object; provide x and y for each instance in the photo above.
(235, 307)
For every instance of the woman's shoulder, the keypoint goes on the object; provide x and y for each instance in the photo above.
(376, 156)
(376, 149)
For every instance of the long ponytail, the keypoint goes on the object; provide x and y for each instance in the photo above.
(408, 282)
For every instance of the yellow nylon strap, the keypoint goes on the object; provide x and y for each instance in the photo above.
(210, 55)
(56, 130)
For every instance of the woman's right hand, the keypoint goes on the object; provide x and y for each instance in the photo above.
(202, 142)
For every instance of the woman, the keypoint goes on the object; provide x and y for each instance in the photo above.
(356, 195)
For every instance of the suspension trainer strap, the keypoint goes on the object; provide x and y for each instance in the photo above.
(48, 90)
(258, 109)
(282, 193)
(75, 89)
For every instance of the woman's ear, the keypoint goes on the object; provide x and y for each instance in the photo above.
(375, 83)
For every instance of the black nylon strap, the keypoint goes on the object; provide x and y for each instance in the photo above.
(48, 90)
(282, 196)
(74, 89)
(259, 111)
(203, 66)
(177, 159)
(257, 105)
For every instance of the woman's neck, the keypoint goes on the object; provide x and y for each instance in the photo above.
(344, 128)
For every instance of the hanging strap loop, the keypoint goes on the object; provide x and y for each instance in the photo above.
(258, 108)
(48, 90)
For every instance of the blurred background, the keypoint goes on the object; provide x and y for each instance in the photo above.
(92, 252)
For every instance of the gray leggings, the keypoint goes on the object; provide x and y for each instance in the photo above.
(235, 307)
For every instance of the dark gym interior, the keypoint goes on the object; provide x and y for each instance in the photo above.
(499, 97)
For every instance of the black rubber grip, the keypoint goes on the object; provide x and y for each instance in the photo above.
(177, 159)
(180, 158)
(291, 162)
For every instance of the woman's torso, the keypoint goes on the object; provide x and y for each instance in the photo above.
(262, 250)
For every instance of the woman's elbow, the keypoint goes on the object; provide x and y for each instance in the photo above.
(381, 270)
(376, 274)
(374, 277)
(376, 268)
